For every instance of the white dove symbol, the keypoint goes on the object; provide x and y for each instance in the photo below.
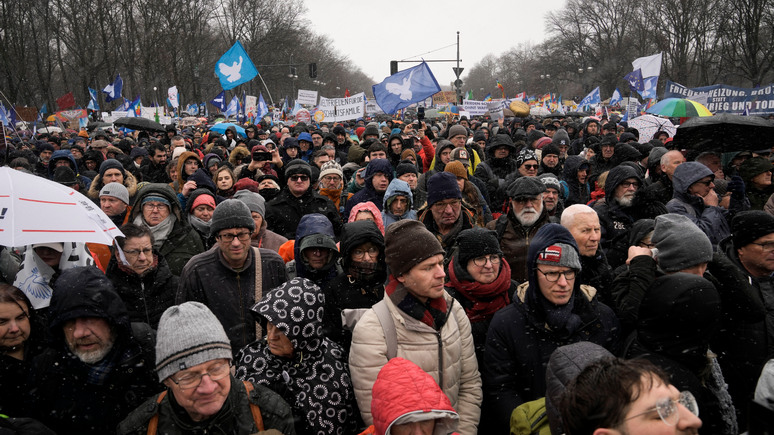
(109, 89)
(232, 72)
(403, 91)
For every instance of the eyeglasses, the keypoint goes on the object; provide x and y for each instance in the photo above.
(439, 206)
(481, 261)
(647, 245)
(628, 184)
(136, 252)
(569, 275)
(192, 380)
(766, 246)
(531, 166)
(298, 178)
(229, 237)
(667, 408)
(360, 253)
(154, 206)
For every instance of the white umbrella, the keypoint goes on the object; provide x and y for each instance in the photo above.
(50, 129)
(36, 210)
(648, 125)
(539, 111)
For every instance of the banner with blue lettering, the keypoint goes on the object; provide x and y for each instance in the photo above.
(726, 99)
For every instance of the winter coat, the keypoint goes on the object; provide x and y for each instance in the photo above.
(368, 193)
(515, 241)
(447, 355)
(147, 296)
(494, 172)
(130, 182)
(153, 173)
(614, 219)
(268, 239)
(15, 373)
(597, 273)
(677, 319)
(309, 226)
(438, 166)
(74, 397)
(84, 181)
(371, 208)
(315, 379)
(230, 293)
(710, 219)
(183, 242)
(403, 389)
(235, 417)
(397, 187)
(284, 212)
(519, 342)
(349, 296)
(573, 191)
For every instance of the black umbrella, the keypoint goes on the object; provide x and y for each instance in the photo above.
(578, 114)
(135, 123)
(725, 133)
(97, 124)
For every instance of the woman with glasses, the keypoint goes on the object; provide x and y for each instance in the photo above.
(550, 310)
(678, 318)
(360, 285)
(299, 362)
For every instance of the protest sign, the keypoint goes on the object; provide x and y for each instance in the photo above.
(475, 107)
(307, 97)
(343, 109)
(726, 99)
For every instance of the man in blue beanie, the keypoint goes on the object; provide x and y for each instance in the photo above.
(445, 216)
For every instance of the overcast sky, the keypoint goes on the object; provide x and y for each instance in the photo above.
(373, 33)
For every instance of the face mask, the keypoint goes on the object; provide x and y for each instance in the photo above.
(268, 193)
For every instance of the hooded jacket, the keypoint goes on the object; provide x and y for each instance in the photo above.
(368, 193)
(181, 176)
(349, 296)
(183, 242)
(519, 341)
(495, 172)
(75, 397)
(371, 208)
(614, 219)
(315, 379)
(710, 219)
(574, 192)
(313, 225)
(397, 187)
(130, 182)
(438, 166)
(65, 154)
(403, 392)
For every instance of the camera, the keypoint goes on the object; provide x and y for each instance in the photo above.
(261, 156)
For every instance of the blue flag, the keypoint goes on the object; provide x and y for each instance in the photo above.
(635, 80)
(263, 109)
(235, 67)
(113, 90)
(93, 103)
(649, 85)
(233, 107)
(4, 115)
(220, 101)
(591, 98)
(616, 98)
(405, 87)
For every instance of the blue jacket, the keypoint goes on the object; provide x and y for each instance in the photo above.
(710, 219)
(398, 187)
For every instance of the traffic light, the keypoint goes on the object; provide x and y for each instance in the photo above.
(393, 67)
(313, 70)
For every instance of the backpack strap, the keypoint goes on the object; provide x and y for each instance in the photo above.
(153, 424)
(254, 409)
(258, 288)
(388, 327)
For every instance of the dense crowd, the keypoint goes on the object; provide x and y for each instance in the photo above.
(394, 277)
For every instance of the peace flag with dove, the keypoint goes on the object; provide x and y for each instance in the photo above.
(113, 90)
(406, 87)
(591, 98)
(235, 67)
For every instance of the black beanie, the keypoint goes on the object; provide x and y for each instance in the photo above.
(749, 226)
(298, 166)
(442, 185)
(405, 168)
(111, 164)
(549, 149)
(477, 242)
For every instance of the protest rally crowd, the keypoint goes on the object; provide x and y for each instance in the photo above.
(399, 276)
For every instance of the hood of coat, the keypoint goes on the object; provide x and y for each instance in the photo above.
(688, 173)
(403, 393)
(374, 166)
(618, 175)
(61, 155)
(86, 292)
(296, 309)
(354, 234)
(571, 166)
(309, 226)
(181, 164)
(442, 145)
(156, 189)
(369, 207)
(398, 187)
(500, 140)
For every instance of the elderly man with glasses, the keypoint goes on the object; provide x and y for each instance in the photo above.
(445, 215)
(230, 278)
(551, 309)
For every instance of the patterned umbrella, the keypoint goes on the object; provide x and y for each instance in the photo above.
(648, 125)
(679, 108)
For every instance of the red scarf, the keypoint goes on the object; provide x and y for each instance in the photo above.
(486, 298)
(433, 313)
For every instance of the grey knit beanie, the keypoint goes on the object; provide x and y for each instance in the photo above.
(188, 335)
(231, 213)
(253, 201)
(116, 190)
(680, 243)
(457, 130)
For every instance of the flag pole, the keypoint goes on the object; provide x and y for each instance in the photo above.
(267, 88)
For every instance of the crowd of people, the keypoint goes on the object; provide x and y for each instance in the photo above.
(421, 277)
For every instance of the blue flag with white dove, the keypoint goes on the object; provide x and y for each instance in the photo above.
(635, 80)
(405, 88)
(233, 107)
(591, 99)
(220, 101)
(113, 90)
(616, 98)
(235, 67)
(263, 109)
(93, 103)
(648, 68)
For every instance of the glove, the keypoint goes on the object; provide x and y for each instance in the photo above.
(736, 187)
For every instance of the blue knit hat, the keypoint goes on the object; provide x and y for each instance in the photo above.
(442, 185)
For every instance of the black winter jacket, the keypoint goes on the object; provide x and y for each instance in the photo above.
(284, 212)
